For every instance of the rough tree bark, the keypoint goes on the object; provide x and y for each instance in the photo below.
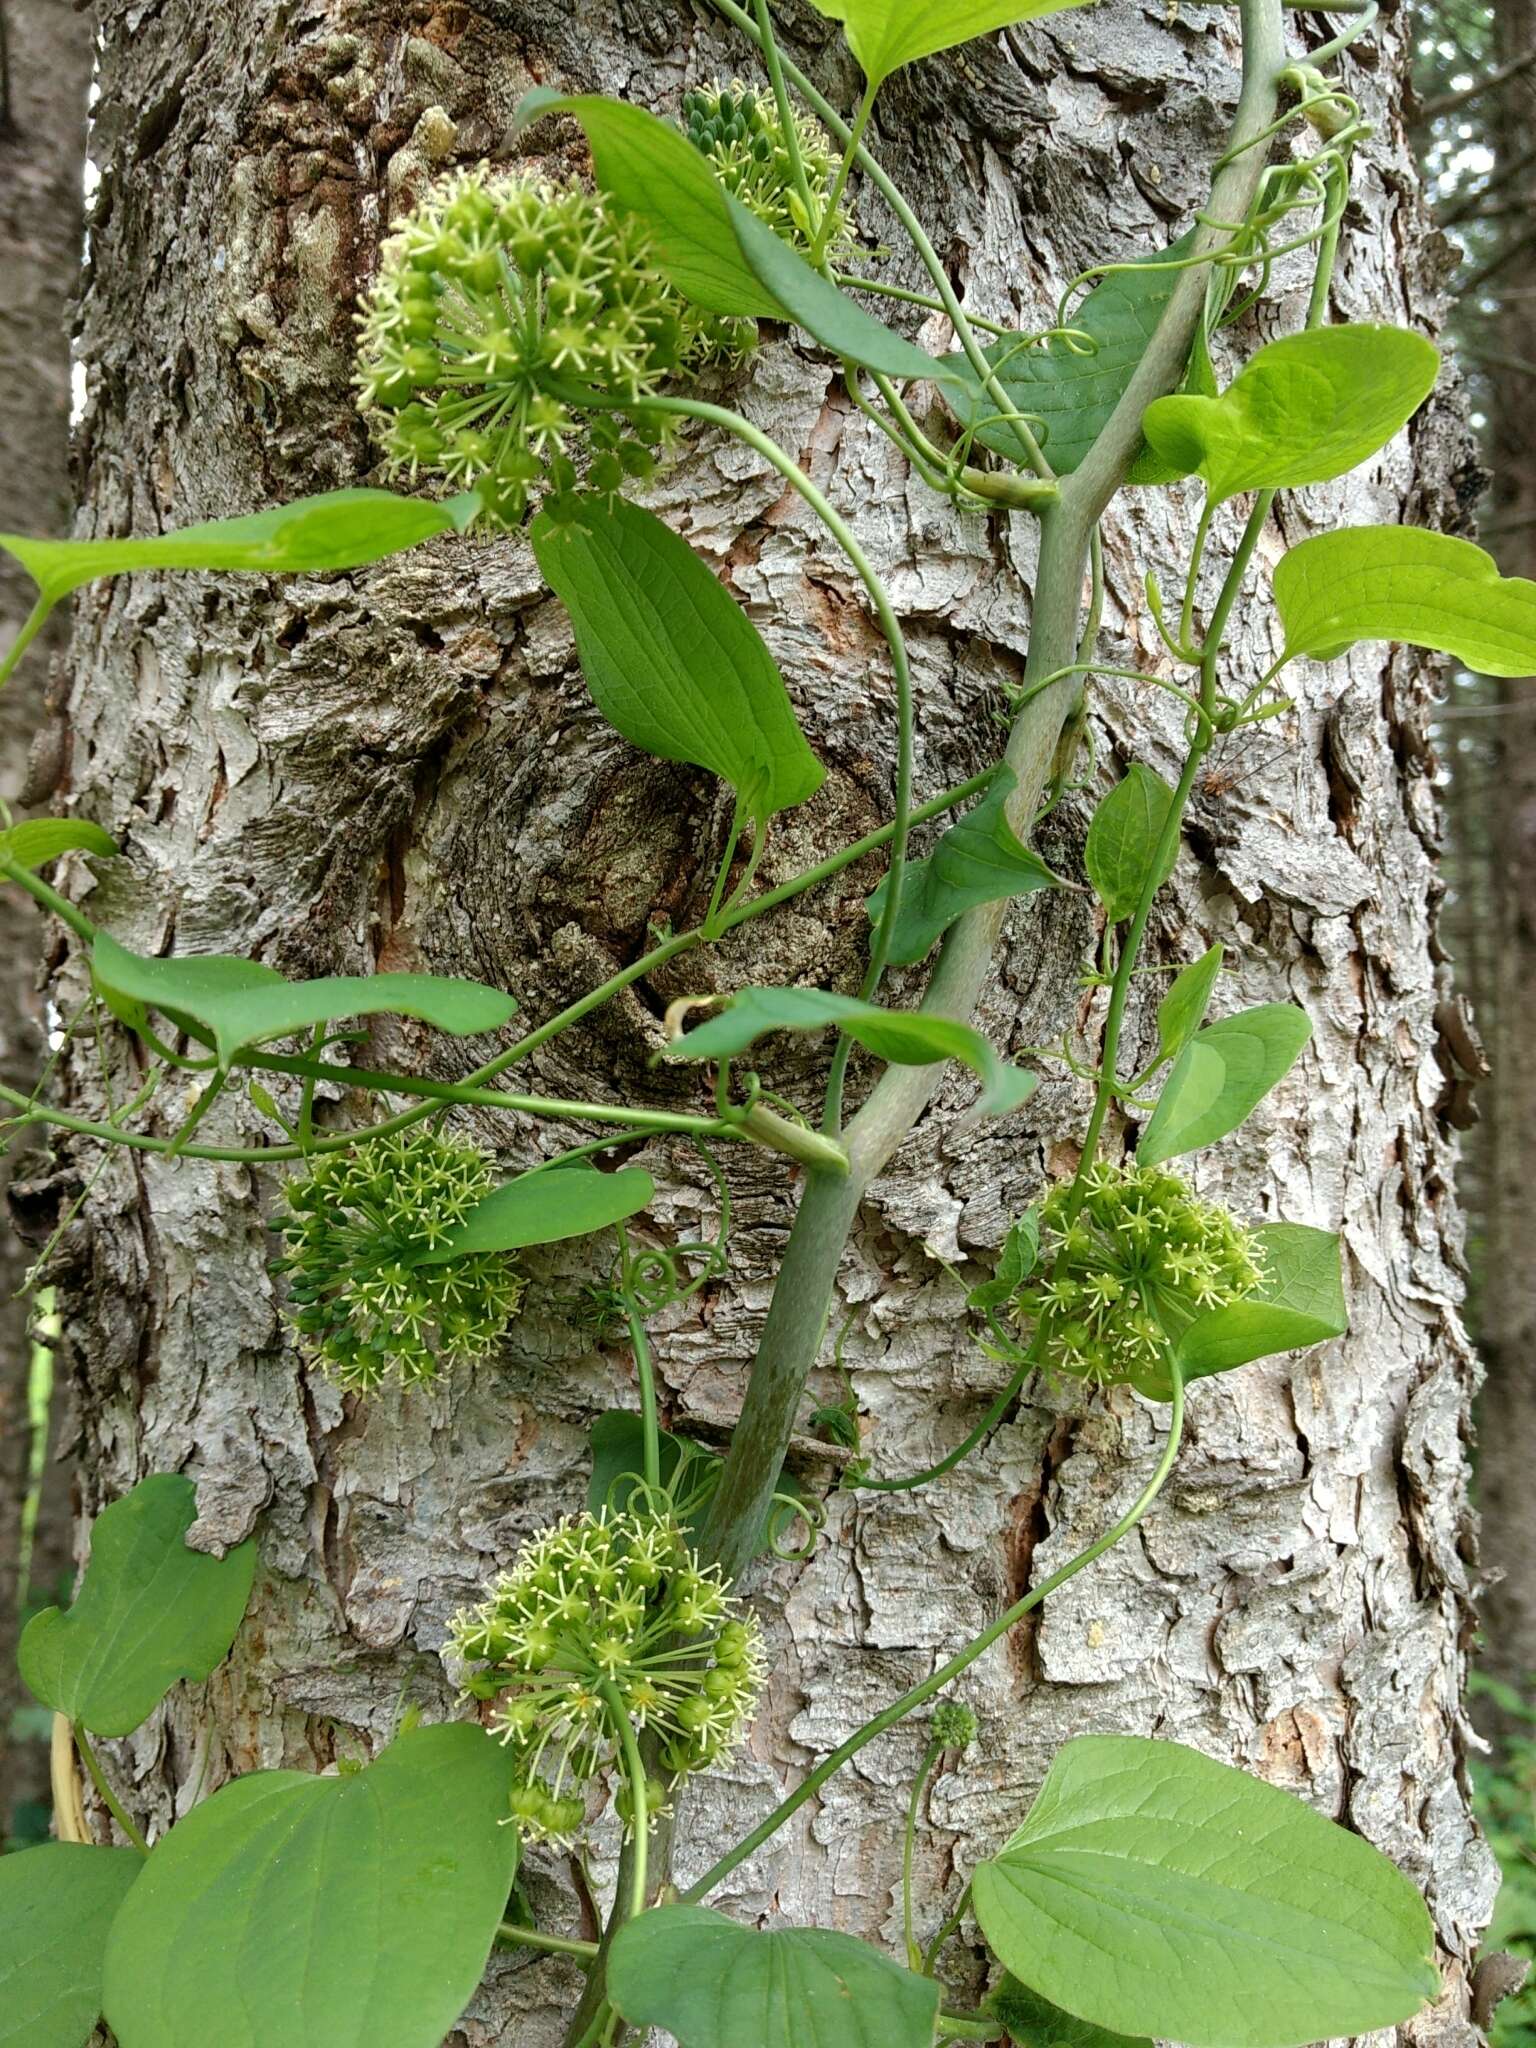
(45, 69)
(1507, 1410)
(403, 767)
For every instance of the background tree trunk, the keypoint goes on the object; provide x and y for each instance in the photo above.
(403, 768)
(45, 69)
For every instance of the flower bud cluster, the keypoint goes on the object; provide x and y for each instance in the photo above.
(740, 131)
(1121, 1281)
(954, 1725)
(355, 1222)
(605, 1615)
(505, 305)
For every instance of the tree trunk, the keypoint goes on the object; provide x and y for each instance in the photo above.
(402, 767)
(1507, 1411)
(45, 68)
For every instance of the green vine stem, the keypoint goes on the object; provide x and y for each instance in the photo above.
(930, 1758)
(108, 1797)
(513, 1934)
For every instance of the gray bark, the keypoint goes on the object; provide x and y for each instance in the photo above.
(402, 767)
(45, 64)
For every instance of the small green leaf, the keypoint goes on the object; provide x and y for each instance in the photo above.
(1021, 1248)
(712, 1983)
(1156, 1892)
(1182, 1011)
(1301, 1302)
(57, 1905)
(1033, 2022)
(39, 840)
(1123, 839)
(885, 34)
(149, 1612)
(291, 1911)
(1223, 1072)
(1307, 407)
(543, 1207)
(904, 1038)
(672, 661)
(1074, 387)
(337, 530)
(978, 860)
(240, 1002)
(1400, 583)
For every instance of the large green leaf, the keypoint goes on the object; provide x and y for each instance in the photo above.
(980, 859)
(543, 1207)
(671, 659)
(1300, 1302)
(904, 1038)
(241, 1002)
(1123, 837)
(1401, 583)
(1074, 388)
(885, 34)
(1223, 1072)
(712, 1983)
(291, 1911)
(1156, 1892)
(57, 1905)
(1307, 407)
(710, 247)
(37, 841)
(149, 1612)
(337, 530)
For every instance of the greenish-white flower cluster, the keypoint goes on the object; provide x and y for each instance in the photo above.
(1121, 1281)
(739, 130)
(607, 1615)
(355, 1224)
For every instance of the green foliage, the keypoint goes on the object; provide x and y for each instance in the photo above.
(885, 34)
(1033, 2022)
(689, 1475)
(57, 1905)
(1505, 1789)
(905, 1038)
(1153, 1890)
(1021, 1250)
(232, 1003)
(1306, 408)
(1400, 583)
(1123, 839)
(1071, 383)
(291, 1911)
(713, 1983)
(1182, 1011)
(980, 859)
(149, 1612)
(1220, 1078)
(672, 662)
(37, 841)
(544, 1207)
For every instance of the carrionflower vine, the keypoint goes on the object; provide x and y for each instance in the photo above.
(1125, 1274)
(607, 1615)
(356, 1224)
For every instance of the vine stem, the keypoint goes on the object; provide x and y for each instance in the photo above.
(108, 1797)
(931, 1756)
(919, 1694)
(640, 1815)
(514, 1935)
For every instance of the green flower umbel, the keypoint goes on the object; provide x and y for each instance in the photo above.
(505, 309)
(1120, 1283)
(356, 1222)
(739, 130)
(604, 1615)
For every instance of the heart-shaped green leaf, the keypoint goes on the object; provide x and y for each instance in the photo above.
(1400, 583)
(1301, 1302)
(149, 1612)
(980, 859)
(1182, 1011)
(37, 841)
(57, 1905)
(1123, 837)
(1154, 1891)
(1223, 1072)
(672, 661)
(885, 34)
(240, 1002)
(291, 1911)
(543, 1207)
(1072, 387)
(712, 1983)
(1307, 407)
(904, 1038)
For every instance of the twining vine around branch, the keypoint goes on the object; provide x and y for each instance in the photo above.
(529, 344)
